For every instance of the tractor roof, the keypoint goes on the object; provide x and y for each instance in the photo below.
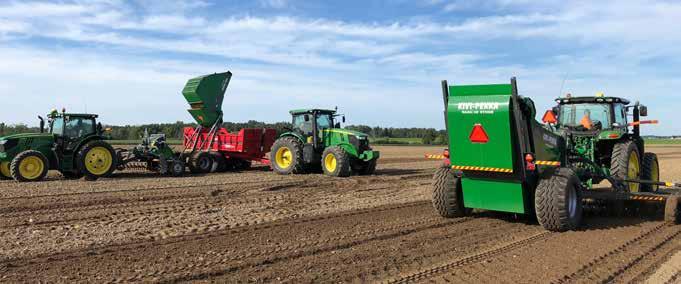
(88, 115)
(311, 110)
(583, 100)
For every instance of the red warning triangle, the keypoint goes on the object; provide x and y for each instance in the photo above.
(478, 135)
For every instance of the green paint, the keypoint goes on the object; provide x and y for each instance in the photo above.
(205, 95)
(506, 196)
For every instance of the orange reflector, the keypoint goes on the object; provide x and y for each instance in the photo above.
(549, 117)
(643, 122)
(478, 135)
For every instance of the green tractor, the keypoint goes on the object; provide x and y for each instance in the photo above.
(501, 159)
(318, 143)
(73, 144)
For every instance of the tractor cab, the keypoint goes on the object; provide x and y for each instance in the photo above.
(69, 129)
(312, 123)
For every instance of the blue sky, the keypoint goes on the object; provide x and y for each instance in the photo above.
(380, 62)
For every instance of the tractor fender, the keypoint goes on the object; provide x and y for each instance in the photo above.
(293, 134)
(349, 148)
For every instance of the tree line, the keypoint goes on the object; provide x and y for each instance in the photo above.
(379, 134)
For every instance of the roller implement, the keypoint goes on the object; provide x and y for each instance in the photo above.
(500, 158)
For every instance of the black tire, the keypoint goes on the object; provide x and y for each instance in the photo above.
(448, 194)
(219, 162)
(176, 168)
(650, 170)
(15, 166)
(241, 165)
(672, 212)
(365, 168)
(201, 163)
(4, 171)
(72, 175)
(558, 201)
(619, 163)
(297, 165)
(85, 155)
(341, 164)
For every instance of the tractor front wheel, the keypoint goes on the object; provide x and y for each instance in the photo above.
(286, 156)
(448, 194)
(625, 164)
(4, 171)
(650, 171)
(336, 162)
(29, 166)
(558, 201)
(96, 159)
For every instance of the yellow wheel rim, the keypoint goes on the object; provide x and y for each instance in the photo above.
(4, 169)
(654, 175)
(284, 157)
(330, 162)
(98, 161)
(31, 167)
(633, 171)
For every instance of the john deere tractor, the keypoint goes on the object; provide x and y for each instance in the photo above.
(318, 143)
(500, 158)
(72, 144)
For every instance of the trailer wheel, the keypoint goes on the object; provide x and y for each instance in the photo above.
(448, 194)
(625, 163)
(672, 212)
(336, 162)
(558, 201)
(201, 163)
(286, 156)
(96, 159)
(219, 162)
(650, 170)
(29, 165)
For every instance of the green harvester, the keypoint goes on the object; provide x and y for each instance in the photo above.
(318, 143)
(501, 159)
(72, 144)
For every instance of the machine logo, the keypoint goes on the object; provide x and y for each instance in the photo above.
(478, 108)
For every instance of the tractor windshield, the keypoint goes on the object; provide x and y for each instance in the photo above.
(57, 126)
(324, 121)
(587, 116)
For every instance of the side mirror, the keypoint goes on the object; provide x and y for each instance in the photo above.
(344, 119)
(643, 110)
(307, 117)
(99, 128)
(42, 124)
(549, 117)
(337, 125)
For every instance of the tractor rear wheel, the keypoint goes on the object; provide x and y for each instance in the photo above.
(96, 159)
(558, 201)
(625, 164)
(336, 162)
(286, 156)
(672, 210)
(448, 194)
(201, 163)
(29, 165)
(4, 171)
(650, 170)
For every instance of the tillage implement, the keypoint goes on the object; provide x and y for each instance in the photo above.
(500, 158)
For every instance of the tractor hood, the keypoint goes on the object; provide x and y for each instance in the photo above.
(26, 135)
(348, 132)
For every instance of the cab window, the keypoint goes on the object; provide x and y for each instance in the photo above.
(77, 127)
(572, 115)
(324, 121)
(57, 126)
(620, 115)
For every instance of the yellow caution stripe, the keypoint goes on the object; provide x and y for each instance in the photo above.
(648, 198)
(435, 157)
(482, 169)
(547, 163)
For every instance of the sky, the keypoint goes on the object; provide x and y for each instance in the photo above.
(380, 62)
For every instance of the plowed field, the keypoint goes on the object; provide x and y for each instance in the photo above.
(256, 226)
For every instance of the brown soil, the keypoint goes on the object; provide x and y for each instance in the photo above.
(256, 226)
